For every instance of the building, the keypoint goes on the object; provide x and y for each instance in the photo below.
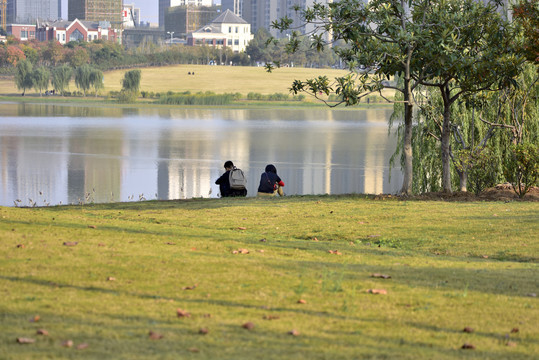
(165, 4)
(135, 37)
(22, 32)
(77, 30)
(181, 20)
(262, 13)
(130, 16)
(30, 11)
(227, 30)
(96, 10)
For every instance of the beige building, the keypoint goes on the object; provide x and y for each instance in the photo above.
(227, 30)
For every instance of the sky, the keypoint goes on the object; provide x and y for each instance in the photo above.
(148, 9)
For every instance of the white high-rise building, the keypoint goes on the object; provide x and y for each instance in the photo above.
(30, 11)
(165, 4)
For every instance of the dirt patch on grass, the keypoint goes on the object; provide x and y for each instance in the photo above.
(501, 192)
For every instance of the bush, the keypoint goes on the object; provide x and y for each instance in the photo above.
(186, 98)
(483, 173)
(521, 167)
(127, 96)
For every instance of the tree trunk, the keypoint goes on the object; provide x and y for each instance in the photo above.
(407, 141)
(463, 176)
(446, 139)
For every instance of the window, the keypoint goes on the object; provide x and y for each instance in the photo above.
(220, 42)
(236, 42)
(32, 34)
(75, 36)
(24, 34)
(229, 42)
(230, 29)
(236, 29)
(64, 37)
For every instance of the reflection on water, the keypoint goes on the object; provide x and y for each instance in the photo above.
(51, 154)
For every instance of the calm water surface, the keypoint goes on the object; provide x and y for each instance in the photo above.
(54, 154)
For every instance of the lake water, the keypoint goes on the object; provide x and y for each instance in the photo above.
(54, 154)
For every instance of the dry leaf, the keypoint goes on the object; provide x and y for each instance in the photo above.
(100, 244)
(207, 315)
(182, 313)
(468, 346)
(335, 252)
(67, 343)
(514, 330)
(203, 331)
(511, 344)
(248, 325)
(293, 332)
(190, 287)
(381, 276)
(82, 346)
(70, 243)
(485, 256)
(193, 350)
(23, 340)
(263, 240)
(110, 278)
(377, 291)
(155, 336)
(270, 317)
(42, 332)
(261, 251)
(171, 243)
(315, 239)
(92, 226)
(21, 246)
(242, 228)
(240, 251)
(302, 301)
(35, 318)
(468, 329)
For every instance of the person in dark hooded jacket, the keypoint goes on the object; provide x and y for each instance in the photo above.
(270, 183)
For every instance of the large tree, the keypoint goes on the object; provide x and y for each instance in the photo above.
(61, 76)
(469, 48)
(41, 79)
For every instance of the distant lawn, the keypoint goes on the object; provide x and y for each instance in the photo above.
(218, 79)
(301, 270)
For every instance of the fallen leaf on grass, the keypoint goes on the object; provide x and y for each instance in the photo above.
(193, 350)
(182, 313)
(207, 315)
(468, 346)
(23, 340)
(511, 344)
(67, 343)
(270, 317)
(203, 331)
(155, 336)
(315, 239)
(381, 276)
(263, 240)
(21, 246)
(171, 243)
(110, 278)
(35, 318)
(42, 332)
(335, 252)
(82, 346)
(100, 244)
(70, 243)
(240, 251)
(514, 330)
(248, 325)
(242, 228)
(190, 287)
(377, 291)
(92, 226)
(485, 256)
(468, 329)
(293, 332)
(302, 301)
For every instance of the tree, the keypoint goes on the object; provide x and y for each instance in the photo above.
(130, 86)
(82, 78)
(526, 14)
(54, 53)
(469, 48)
(41, 78)
(381, 40)
(96, 80)
(77, 57)
(61, 76)
(23, 76)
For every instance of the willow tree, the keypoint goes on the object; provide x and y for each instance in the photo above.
(23, 76)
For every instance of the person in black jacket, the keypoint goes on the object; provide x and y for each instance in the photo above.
(224, 183)
(270, 183)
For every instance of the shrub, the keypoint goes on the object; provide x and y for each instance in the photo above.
(521, 167)
(483, 173)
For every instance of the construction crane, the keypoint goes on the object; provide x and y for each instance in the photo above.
(3, 13)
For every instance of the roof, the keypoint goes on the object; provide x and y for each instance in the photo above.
(228, 17)
(64, 24)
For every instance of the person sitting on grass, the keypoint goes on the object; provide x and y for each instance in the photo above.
(224, 183)
(270, 183)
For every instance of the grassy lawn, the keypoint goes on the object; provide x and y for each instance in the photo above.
(218, 79)
(104, 276)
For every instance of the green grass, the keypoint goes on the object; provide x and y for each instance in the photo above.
(217, 79)
(452, 265)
